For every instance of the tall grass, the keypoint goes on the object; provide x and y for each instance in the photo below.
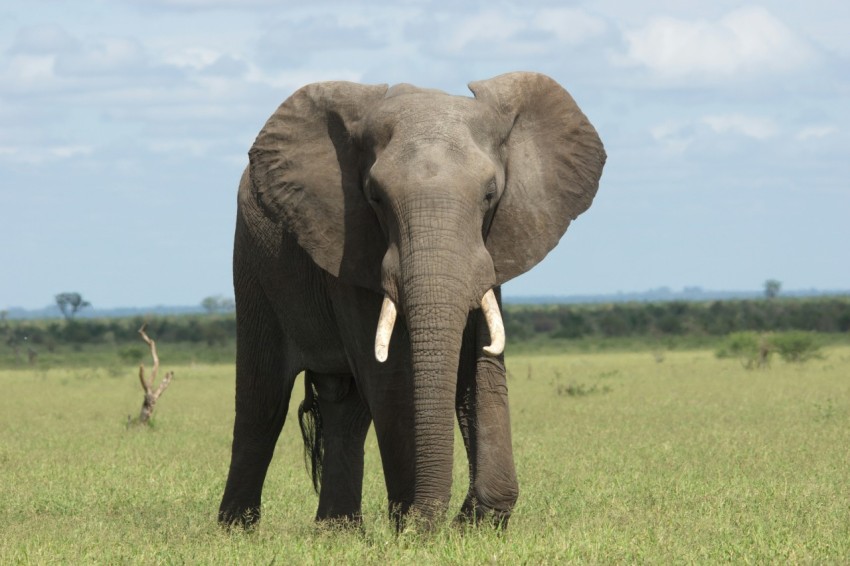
(673, 458)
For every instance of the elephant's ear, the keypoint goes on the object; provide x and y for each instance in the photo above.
(305, 173)
(553, 161)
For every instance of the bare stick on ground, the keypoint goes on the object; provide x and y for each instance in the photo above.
(151, 395)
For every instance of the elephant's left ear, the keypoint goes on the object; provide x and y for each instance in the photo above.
(305, 173)
(553, 162)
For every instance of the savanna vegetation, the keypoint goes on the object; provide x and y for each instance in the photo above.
(530, 328)
(678, 318)
(664, 443)
(621, 458)
(115, 343)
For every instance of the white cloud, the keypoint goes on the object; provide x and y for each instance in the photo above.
(187, 146)
(22, 70)
(242, 5)
(569, 25)
(815, 132)
(507, 33)
(36, 155)
(293, 40)
(482, 27)
(42, 39)
(192, 57)
(208, 4)
(107, 55)
(290, 80)
(119, 76)
(675, 137)
(751, 126)
(747, 40)
(49, 50)
(678, 136)
(87, 66)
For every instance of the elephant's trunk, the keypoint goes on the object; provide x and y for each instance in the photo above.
(442, 271)
(435, 317)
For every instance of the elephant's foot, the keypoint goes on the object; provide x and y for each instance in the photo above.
(245, 518)
(473, 512)
(353, 522)
(420, 518)
(397, 512)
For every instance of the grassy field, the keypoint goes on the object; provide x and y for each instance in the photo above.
(659, 457)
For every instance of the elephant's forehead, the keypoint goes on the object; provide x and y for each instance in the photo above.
(436, 158)
(421, 114)
(431, 131)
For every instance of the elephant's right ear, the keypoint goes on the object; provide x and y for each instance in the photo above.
(305, 173)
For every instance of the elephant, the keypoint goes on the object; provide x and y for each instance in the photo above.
(375, 227)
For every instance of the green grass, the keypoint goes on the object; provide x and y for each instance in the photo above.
(691, 459)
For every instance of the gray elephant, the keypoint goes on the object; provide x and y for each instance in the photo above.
(363, 203)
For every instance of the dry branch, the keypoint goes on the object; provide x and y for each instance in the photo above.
(151, 396)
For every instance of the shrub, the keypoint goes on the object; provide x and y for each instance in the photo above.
(580, 390)
(796, 347)
(752, 349)
(131, 354)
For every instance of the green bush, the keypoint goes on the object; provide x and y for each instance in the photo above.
(796, 347)
(750, 347)
(131, 354)
(737, 344)
(754, 349)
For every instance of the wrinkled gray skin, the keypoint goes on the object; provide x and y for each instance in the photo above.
(356, 192)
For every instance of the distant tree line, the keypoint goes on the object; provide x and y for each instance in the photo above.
(212, 330)
(678, 318)
(718, 318)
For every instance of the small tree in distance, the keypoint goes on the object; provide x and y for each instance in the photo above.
(772, 288)
(217, 303)
(70, 303)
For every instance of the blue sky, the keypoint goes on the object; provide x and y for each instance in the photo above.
(124, 127)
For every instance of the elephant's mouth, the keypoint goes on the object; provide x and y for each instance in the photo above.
(492, 315)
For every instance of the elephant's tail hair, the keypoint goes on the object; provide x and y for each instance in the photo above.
(310, 420)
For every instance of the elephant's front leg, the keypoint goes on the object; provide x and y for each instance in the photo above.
(387, 389)
(263, 388)
(484, 418)
(345, 420)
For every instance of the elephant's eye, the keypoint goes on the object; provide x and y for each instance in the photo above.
(490, 194)
(372, 193)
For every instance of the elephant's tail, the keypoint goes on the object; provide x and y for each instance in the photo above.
(310, 420)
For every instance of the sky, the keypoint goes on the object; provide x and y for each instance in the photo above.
(125, 125)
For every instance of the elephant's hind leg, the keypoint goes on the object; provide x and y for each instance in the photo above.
(345, 420)
(263, 389)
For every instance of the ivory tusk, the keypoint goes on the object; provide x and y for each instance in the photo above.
(494, 323)
(385, 330)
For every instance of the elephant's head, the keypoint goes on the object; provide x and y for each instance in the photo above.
(431, 200)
